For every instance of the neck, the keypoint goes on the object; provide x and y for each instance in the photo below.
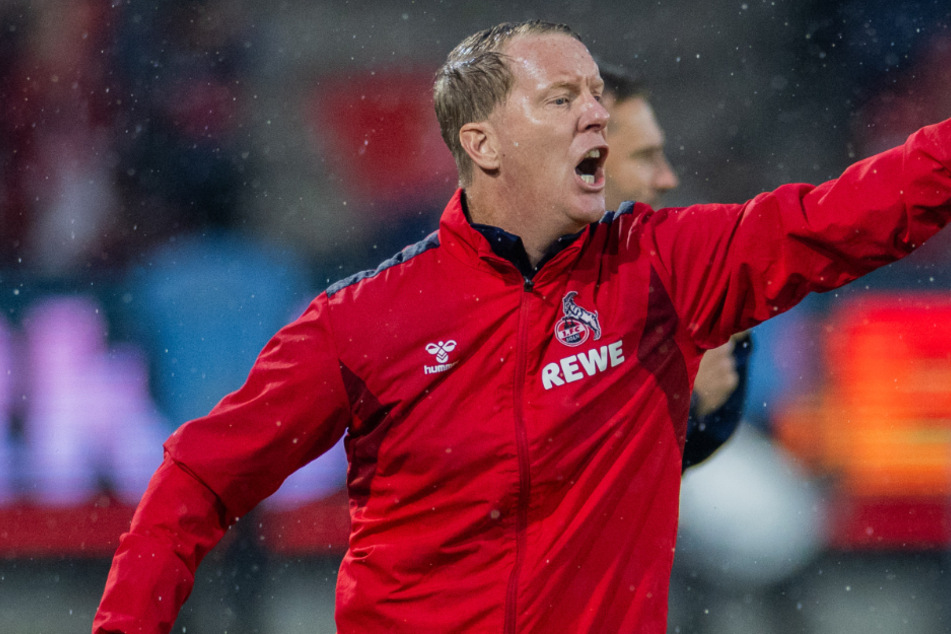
(518, 217)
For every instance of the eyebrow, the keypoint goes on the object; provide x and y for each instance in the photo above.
(572, 84)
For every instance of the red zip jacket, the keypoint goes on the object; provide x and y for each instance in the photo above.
(515, 447)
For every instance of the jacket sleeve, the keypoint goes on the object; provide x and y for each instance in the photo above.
(292, 408)
(730, 267)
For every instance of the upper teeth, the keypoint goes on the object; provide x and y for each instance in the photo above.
(593, 154)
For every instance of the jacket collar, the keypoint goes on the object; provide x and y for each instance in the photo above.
(492, 244)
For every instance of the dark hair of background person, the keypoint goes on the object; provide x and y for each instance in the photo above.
(621, 82)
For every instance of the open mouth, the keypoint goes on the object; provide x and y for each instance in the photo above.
(590, 167)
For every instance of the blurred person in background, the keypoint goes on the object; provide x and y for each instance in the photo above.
(57, 194)
(637, 169)
(185, 168)
(503, 475)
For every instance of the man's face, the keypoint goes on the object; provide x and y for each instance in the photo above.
(550, 132)
(637, 168)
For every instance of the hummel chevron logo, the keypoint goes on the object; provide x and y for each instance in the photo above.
(441, 351)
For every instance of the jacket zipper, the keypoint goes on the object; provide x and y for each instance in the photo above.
(524, 473)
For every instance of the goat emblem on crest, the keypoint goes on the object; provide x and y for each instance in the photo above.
(577, 324)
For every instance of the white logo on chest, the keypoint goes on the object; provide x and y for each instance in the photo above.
(578, 366)
(441, 351)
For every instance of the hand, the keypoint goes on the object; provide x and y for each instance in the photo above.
(716, 379)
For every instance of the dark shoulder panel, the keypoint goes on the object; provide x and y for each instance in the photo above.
(429, 242)
(609, 216)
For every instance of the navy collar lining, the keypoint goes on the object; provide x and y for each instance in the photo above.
(509, 246)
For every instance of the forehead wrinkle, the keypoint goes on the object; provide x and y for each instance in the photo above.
(537, 62)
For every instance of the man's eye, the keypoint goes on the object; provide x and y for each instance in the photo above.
(560, 101)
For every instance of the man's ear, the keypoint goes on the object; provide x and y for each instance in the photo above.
(480, 143)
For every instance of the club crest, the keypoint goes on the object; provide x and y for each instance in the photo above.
(577, 324)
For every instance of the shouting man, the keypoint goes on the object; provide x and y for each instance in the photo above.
(527, 480)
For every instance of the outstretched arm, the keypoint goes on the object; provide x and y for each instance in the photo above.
(292, 408)
(730, 267)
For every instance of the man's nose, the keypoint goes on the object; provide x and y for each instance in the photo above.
(665, 179)
(593, 114)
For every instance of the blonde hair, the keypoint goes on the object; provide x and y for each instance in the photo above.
(475, 78)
